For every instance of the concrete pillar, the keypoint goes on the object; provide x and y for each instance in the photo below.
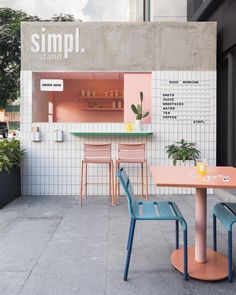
(160, 10)
(169, 10)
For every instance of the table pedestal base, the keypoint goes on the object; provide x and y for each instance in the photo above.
(216, 267)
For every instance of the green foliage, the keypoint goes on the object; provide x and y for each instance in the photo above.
(10, 53)
(11, 154)
(64, 18)
(183, 151)
(10, 50)
(138, 109)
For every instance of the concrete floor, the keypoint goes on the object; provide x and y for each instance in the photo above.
(51, 246)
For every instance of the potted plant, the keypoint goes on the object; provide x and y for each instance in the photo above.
(138, 111)
(182, 151)
(11, 156)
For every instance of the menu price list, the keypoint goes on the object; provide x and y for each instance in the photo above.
(187, 101)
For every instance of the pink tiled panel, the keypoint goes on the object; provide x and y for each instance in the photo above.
(134, 83)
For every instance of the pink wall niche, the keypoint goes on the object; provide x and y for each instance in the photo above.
(70, 106)
(40, 101)
(134, 83)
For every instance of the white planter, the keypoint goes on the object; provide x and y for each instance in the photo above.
(137, 126)
(186, 163)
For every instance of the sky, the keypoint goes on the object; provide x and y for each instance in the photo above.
(86, 10)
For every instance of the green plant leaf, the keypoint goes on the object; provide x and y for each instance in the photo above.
(134, 109)
(139, 109)
(183, 151)
(139, 117)
(146, 114)
(11, 154)
(141, 96)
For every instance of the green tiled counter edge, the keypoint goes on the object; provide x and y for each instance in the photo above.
(144, 133)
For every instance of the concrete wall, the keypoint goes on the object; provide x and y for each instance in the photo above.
(127, 47)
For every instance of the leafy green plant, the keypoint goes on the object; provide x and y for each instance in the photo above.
(11, 154)
(10, 50)
(183, 151)
(138, 109)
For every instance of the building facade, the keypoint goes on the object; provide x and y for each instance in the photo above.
(158, 10)
(223, 12)
(69, 74)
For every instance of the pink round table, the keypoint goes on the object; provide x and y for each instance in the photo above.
(203, 263)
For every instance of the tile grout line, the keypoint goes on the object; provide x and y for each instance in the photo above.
(36, 262)
(107, 256)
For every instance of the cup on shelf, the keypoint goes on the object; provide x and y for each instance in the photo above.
(88, 92)
(106, 93)
(117, 93)
(128, 127)
(111, 93)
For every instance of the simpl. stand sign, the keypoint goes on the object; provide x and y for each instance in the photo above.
(55, 46)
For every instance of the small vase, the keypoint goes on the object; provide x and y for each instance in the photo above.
(138, 126)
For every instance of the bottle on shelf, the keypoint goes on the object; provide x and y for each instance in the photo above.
(82, 92)
(114, 104)
(119, 104)
(106, 93)
(117, 93)
(94, 92)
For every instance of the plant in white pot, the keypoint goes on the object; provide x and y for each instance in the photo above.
(138, 110)
(182, 151)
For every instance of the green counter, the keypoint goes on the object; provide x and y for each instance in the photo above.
(120, 133)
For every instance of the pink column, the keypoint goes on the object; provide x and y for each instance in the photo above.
(200, 225)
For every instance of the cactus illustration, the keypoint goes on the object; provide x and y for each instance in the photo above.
(138, 109)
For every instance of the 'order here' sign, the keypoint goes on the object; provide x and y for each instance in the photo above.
(51, 85)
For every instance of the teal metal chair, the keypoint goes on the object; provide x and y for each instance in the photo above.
(226, 213)
(144, 210)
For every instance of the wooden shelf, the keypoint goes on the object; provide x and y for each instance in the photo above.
(101, 97)
(101, 109)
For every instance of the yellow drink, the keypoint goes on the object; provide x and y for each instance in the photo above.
(129, 127)
(202, 168)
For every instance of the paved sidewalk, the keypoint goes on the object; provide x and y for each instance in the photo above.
(51, 246)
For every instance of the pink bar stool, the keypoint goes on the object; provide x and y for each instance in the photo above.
(133, 153)
(97, 154)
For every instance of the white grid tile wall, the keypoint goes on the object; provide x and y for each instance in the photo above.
(53, 168)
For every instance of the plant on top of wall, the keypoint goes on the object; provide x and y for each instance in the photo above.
(11, 155)
(183, 151)
(138, 111)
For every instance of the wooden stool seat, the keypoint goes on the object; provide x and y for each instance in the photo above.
(97, 154)
(134, 154)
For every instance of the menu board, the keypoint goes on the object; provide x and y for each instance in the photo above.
(186, 101)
